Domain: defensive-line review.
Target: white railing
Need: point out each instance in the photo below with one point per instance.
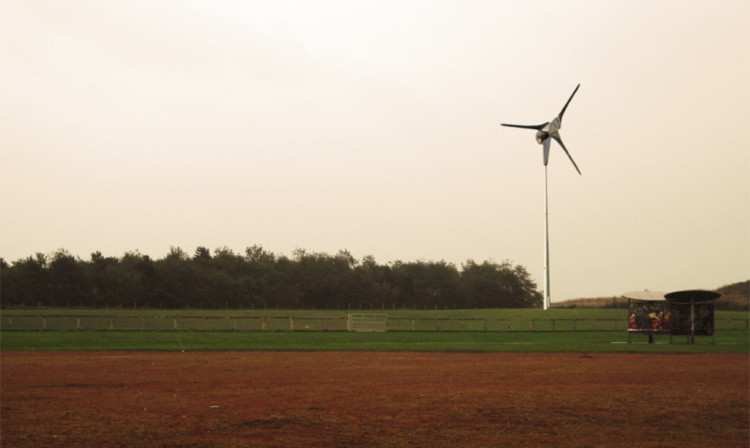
(62, 322)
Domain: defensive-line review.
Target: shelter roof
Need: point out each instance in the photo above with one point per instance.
(694, 295)
(652, 296)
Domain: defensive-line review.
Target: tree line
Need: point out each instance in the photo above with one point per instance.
(260, 279)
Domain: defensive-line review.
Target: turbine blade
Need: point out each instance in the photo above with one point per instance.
(559, 117)
(545, 146)
(537, 127)
(559, 140)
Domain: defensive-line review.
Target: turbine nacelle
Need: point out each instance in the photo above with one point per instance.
(549, 129)
(541, 136)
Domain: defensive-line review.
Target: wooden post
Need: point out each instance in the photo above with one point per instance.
(234, 324)
(291, 323)
(692, 321)
(78, 323)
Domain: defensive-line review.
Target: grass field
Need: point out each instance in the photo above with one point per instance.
(725, 342)
(495, 313)
(735, 341)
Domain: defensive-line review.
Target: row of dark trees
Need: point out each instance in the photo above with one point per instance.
(260, 279)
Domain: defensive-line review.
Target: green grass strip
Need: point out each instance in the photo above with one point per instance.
(725, 341)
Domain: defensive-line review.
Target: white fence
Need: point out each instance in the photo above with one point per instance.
(169, 323)
(62, 322)
(367, 323)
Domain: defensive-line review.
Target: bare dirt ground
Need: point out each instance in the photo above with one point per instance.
(340, 399)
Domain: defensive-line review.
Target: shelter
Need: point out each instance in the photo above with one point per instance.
(649, 313)
(692, 312)
(689, 312)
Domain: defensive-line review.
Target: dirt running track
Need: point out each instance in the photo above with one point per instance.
(353, 399)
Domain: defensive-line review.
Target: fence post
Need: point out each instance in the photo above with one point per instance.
(143, 323)
(78, 323)
(531, 325)
(111, 324)
(234, 324)
(553, 324)
(174, 323)
(291, 323)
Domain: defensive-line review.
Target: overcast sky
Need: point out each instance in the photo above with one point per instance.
(374, 126)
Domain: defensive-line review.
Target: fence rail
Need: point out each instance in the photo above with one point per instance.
(47, 322)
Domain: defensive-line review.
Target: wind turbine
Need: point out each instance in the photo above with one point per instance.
(545, 132)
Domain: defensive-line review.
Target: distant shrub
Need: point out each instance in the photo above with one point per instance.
(733, 302)
(599, 302)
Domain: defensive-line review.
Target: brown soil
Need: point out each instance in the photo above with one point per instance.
(332, 399)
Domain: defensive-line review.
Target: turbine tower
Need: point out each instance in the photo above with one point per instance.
(545, 132)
